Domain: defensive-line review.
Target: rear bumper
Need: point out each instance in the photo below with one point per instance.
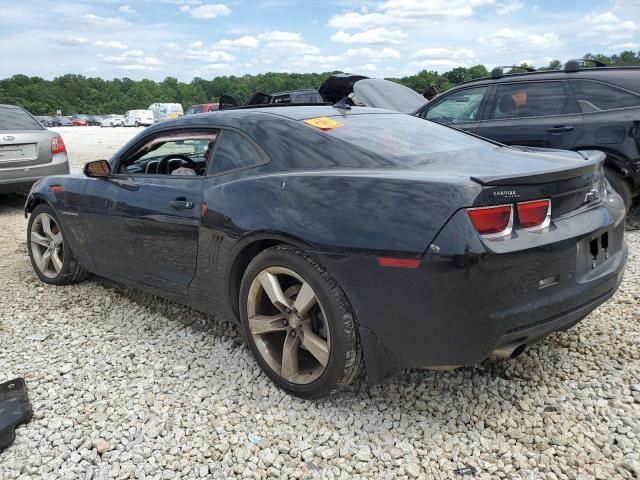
(466, 301)
(21, 178)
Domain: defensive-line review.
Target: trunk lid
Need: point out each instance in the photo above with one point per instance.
(24, 148)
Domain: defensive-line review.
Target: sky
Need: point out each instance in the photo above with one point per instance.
(379, 38)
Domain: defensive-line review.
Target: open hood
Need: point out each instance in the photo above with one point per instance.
(371, 92)
(378, 93)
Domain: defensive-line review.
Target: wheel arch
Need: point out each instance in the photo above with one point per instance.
(248, 249)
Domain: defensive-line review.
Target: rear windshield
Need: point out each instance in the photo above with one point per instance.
(17, 119)
(404, 139)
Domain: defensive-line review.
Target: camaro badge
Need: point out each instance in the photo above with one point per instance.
(323, 123)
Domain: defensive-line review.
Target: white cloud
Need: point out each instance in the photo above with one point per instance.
(460, 54)
(287, 42)
(608, 23)
(82, 41)
(133, 53)
(211, 56)
(380, 36)
(509, 6)
(131, 60)
(405, 12)
(135, 67)
(243, 42)
(126, 9)
(211, 10)
(625, 46)
(110, 44)
(507, 39)
(320, 59)
(371, 54)
(105, 22)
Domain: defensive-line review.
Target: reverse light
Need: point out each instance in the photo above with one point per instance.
(57, 145)
(492, 221)
(535, 214)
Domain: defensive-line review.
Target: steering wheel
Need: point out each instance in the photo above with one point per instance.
(162, 164)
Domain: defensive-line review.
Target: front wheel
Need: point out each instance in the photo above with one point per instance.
(50, 254)
(298, 323)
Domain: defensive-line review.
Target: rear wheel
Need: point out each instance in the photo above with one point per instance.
(298, 323)
(50, 255)
(137, 124)
(620, 185)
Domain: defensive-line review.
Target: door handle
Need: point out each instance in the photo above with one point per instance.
(560, 129)
(181, 203)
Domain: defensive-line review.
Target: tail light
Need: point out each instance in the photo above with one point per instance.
(536, 214)
(57, 145)
(492, 221)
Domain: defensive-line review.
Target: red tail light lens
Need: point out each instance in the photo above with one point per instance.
(536, 214)
(492, 221)
(398, 262)
(57, 145)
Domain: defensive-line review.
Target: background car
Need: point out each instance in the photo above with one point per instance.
(28, 151)
(112, 121)
(571, 109)
(339, 239)
(165, 111)
(136, 118)
(60, 121)
(94, 120)
(45, 120)
(201, 108)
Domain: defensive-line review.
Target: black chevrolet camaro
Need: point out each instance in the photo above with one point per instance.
(342, 239)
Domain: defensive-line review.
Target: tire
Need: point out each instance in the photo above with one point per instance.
(620, 185)
(137, 124)
(66, 269)
(325, 325)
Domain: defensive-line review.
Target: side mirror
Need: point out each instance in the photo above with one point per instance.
(97, 169)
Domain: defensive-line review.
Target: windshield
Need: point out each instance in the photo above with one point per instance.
(17, 119)
(403, 139)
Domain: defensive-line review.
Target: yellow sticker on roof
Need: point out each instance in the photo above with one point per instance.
(323, 123)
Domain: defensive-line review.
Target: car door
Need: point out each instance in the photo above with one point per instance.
(155, 217)
(535, 113)
(461, 108)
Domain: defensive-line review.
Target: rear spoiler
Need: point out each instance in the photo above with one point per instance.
(593, 160)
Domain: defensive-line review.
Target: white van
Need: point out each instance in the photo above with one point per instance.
(166, 111)
(135, 118)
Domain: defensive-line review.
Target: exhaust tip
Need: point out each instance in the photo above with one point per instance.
(507, 352)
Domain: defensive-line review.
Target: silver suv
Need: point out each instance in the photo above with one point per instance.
(28, 151)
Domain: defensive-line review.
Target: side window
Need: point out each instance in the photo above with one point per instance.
(595, 97)
(533, 99)
(177, 154)
(461, 106)
(234, 151)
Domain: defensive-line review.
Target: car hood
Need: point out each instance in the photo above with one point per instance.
(378, 93)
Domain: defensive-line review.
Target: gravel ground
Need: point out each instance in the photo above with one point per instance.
(131, 386)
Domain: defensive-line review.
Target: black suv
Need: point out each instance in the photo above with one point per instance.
(578, 108)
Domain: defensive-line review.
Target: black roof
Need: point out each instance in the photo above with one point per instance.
(620, 73)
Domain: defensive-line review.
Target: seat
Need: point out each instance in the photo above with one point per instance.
(507, 106)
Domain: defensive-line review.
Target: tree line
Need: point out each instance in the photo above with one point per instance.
(73, 93)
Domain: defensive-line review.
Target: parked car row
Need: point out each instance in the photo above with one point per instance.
(132, 118)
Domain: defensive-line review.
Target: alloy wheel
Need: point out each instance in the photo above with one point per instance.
(288, 325)
(47, 245)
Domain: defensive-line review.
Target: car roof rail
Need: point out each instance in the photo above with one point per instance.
(576, 64)
(498, 72)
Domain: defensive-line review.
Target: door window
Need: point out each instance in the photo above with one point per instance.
(595, 97)
(461, 106)
(532, 99)
(175, 154)
(234, 151)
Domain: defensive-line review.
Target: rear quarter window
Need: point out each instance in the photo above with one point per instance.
(234, 151)
(595, 97)
(17, 119)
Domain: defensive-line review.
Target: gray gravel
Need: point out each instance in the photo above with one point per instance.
(131, 386)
